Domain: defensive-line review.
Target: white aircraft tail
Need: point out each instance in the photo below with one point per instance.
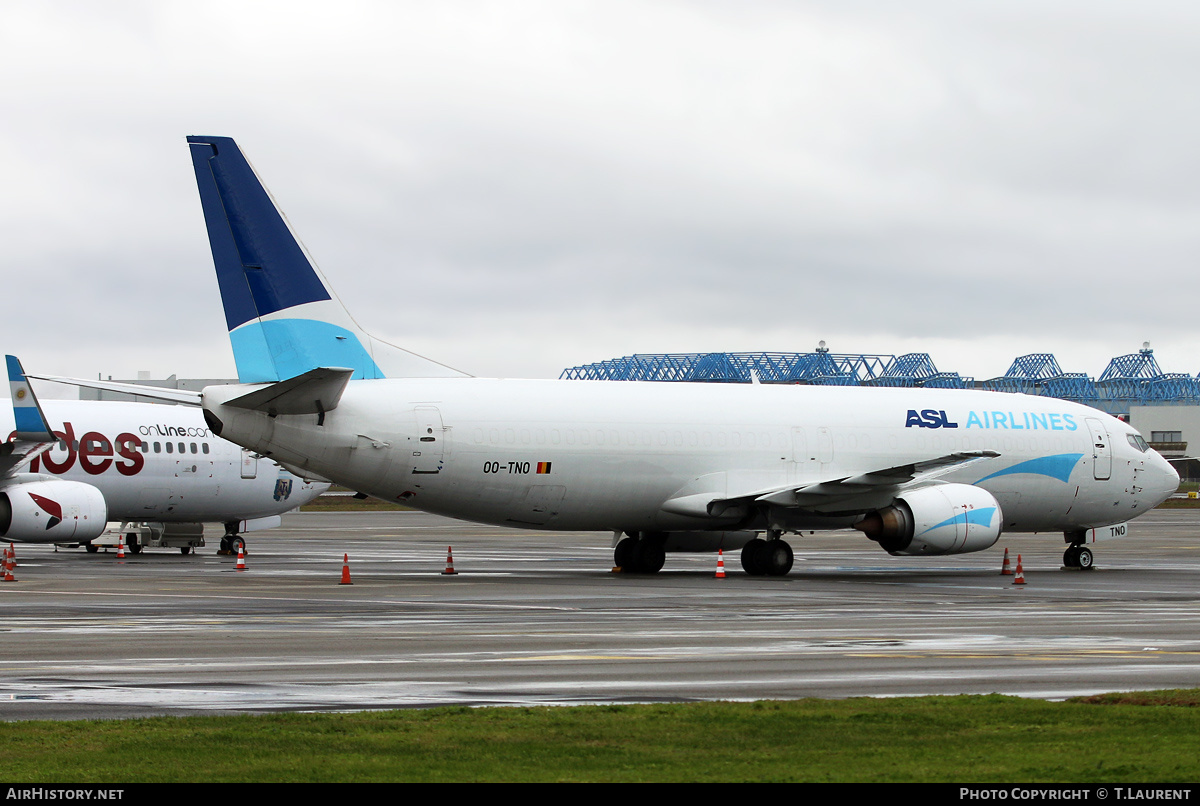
(283, 317)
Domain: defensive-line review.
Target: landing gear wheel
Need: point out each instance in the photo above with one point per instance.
(1078, 557)
(779, 558)
(623, 553)
(185, 550)
(648, 557)
(134, 546)
(236, 543)
(752, 557)
(1085, 559)
(767, 557)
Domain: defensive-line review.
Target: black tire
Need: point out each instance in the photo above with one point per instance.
(650, 557)
(1085, 559)
(1071, 557)
(778, 558)
(236, 542)
(185, 550)
(90, 548)
(752, 557)
(623, 553)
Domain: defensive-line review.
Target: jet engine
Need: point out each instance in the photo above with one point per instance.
(941, 519)
(52, 511)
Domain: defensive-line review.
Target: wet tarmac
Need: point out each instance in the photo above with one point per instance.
(539, 618)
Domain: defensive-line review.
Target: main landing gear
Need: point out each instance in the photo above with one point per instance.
(641, 553)
(771, 557)
(645, 553)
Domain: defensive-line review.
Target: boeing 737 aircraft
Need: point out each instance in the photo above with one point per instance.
(664, 466)
(66, 472)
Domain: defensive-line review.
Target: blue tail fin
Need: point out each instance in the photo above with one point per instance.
(283, 318)
(27, 412)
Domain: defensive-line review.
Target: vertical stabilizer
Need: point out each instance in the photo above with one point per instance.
(283, 318)
(28, 418)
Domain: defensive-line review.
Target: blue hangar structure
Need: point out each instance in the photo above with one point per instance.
(1128, 381)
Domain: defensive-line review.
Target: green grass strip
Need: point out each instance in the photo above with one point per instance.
(1147, 737)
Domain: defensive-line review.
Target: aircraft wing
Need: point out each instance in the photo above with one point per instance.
(32, 435)
(842, 495)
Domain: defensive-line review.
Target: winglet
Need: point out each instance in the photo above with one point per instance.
(27, 413)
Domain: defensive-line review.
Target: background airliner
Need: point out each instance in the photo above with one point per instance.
(663, 466)
(69, 466)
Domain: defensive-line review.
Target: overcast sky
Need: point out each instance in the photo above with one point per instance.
(512, 188)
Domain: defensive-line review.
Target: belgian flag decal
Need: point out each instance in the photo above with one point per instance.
(543, 467)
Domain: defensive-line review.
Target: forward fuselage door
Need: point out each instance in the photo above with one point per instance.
(1101, 451)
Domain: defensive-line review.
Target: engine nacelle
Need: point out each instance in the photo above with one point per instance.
(941, 519)
(52, 511)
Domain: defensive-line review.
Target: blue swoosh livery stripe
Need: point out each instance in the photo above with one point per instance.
(1056, 467)
(972, 517)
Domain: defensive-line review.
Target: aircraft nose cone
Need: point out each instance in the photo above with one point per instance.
(1166, 479)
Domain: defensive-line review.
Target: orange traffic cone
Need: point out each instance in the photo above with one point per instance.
(12, 555)
(1006, 569)
(720, 564)
(1019, 579)
(8, 574)
(449, 562)
(241, 562)
(345, 570)
(121, 548)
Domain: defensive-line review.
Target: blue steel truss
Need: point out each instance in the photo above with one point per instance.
(1133, 379)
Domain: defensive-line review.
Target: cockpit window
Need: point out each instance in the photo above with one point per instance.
(1136, 441)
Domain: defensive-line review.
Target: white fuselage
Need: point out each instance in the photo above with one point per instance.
(162, 463)
(608, 455)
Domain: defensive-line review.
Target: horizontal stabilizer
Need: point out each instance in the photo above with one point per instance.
(315, 392)
(187, 397)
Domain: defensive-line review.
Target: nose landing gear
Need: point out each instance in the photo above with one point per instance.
(1077, 555)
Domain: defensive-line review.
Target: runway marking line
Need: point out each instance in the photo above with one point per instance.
(394, 602)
